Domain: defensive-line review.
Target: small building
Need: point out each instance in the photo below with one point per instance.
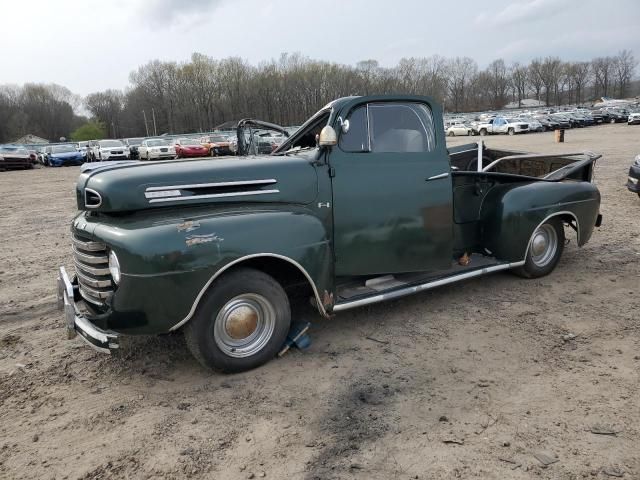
(30, 139)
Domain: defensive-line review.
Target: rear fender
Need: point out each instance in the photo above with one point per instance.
(511, 213)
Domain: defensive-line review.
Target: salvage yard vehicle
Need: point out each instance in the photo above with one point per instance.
(459, 129)
(217, 144)
(633, 182)
(156, 149)
(111, 150)
(496, 125)
(190, 148)
(15, 157)
(633, 119)
(362, 204)
(133, 144)
(64, 155)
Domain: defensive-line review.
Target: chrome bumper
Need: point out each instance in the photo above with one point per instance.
(100, 340)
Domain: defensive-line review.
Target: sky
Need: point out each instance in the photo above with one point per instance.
(92, 45)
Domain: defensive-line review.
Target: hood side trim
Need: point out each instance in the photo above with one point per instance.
(213, 185)
(213, 195)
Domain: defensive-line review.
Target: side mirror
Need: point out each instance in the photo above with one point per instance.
(328, 137)
(344, 124)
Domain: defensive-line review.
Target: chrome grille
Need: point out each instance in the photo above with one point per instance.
(92, 268)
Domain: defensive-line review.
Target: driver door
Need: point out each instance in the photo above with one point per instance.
(392, 193)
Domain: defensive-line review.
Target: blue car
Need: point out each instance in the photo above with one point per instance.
(63, 155)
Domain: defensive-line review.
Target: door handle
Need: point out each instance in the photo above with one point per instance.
(436, 177)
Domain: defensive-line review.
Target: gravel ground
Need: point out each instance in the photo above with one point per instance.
(493, 378)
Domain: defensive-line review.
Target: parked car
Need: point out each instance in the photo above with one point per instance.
(111, 150)
(14, 157)
(534, 125)
(338, 210)
(156, 149)
(617, 115)
(64, 155)
(509, 126)
(633, 182)
(633, 119)
(459, 129)
(189, 148)
(133, 144)
(217, 144)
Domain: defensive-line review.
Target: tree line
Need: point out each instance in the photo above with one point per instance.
(202, 93)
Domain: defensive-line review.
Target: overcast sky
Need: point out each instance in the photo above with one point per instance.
(92, 45)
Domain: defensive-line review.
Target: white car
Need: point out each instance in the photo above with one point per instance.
(156, 149)
(459, 129)
(634, 119)
(111, 150)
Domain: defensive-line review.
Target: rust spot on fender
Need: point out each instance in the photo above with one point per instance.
(327, 299)
(192, 240)
(188, 226)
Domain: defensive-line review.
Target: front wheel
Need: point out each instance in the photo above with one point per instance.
(544, 250)
(241, 323)
(511, 131)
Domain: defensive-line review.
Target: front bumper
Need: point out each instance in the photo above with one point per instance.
(633, 182)
(76, 322)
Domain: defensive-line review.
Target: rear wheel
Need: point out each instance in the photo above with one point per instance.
(241, 323)
(483, 132)
(451, 134)
(544, 250)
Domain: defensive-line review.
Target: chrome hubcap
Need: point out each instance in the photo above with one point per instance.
(244, 325)
(544, 245)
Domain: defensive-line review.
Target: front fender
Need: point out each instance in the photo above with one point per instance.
(167, 264)
(510, 214)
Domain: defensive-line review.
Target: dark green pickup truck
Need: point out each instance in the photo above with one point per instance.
(362, 204)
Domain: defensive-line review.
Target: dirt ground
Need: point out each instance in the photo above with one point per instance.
(488, 379)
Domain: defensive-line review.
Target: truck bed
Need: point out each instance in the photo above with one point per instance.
(528, 166)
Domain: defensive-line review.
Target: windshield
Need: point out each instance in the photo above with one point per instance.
(62, 149)
(157, 143)
(19, 150)
(218, 138)
(110, 143)
(134, 141)
(189, 142)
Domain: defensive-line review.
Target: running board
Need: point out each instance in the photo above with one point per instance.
(339, 307)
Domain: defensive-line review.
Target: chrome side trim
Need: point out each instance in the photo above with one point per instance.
(564, 212)
(436, 177)
(240, 260)
(424, 286)
(95, 193)
(266, 181)
(213, 195)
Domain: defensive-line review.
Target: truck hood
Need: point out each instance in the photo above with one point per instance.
(256, 179)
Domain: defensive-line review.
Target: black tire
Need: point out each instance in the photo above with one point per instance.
(511, 131)
(540, 266)
(483, 132)
(450, 134)
(206, 341)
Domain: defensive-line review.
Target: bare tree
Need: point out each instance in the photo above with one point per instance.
(460, 72)
(624, 65)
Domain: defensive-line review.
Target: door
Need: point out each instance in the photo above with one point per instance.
(392, 194)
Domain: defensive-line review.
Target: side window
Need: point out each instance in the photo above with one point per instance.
(356, 139)
(401, 128)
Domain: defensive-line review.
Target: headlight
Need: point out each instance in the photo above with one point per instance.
(114, 267)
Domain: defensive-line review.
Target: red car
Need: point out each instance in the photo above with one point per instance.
(189, 148)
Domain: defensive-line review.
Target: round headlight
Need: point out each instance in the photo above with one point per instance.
(114, 267)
